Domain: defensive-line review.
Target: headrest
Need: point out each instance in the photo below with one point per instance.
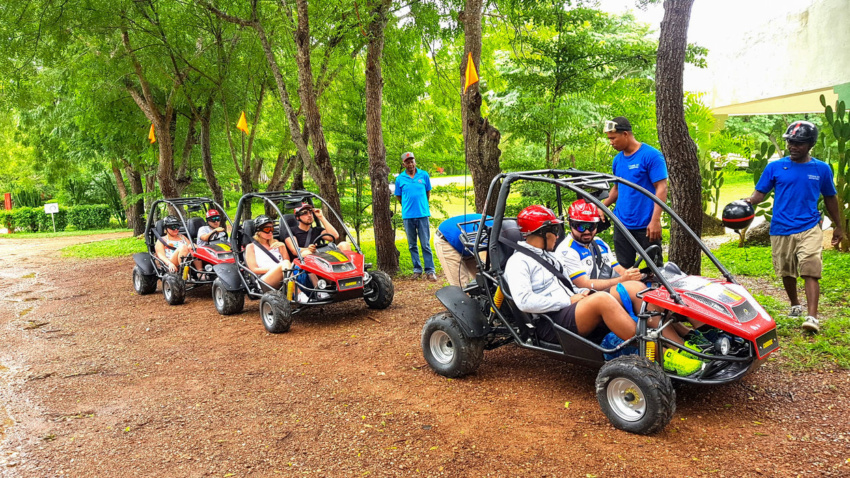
(247, 231)
(194, 223)
(159, 228)
(289, 220)
(510, 230)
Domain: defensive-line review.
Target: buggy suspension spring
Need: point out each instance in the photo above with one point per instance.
(498, 297)
(650, 351)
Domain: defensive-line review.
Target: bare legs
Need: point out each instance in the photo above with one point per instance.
(812, 288)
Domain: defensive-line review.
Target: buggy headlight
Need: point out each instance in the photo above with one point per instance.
(321, 284)
(722, 345)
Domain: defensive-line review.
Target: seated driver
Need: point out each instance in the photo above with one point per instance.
(173, 247)
(306, 234)
(535, 289)
(213, 230)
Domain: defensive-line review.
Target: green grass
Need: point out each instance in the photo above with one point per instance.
(108, 248)
(48, 235)
(831, 347)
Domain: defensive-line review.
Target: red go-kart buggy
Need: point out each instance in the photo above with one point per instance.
(191, 214)
(341, 275)
(633, 390)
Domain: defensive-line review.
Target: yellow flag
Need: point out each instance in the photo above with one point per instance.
(471, 74)
(151, 136)
(242, 125)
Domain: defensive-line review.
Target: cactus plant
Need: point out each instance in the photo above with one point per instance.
(839, 128)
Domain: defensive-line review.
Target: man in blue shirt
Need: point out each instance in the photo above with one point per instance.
(796, 239)
(458, 262)
(645, 166)
(413, 191)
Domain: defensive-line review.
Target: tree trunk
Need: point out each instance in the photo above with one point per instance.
(122, 191)
(678, 147)
(183, 178)
(298, 176)
(312, 117)
(481, 139)
(379, 171)
(206, 154)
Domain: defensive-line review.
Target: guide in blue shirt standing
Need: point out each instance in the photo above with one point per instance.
(413, 191)
(796, 238)
(645, 166)
(458, 262)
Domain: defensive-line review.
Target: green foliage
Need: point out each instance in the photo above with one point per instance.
(89, 216)
(27, 198)
(833, 149)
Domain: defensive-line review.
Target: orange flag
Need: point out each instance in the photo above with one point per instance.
(242, 125)
(151, 136)
(471, 74)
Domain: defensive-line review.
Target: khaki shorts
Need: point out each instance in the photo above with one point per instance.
(799, 254)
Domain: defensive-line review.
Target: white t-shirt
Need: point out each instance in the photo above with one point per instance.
(263, 259)
(534, 288)
(577, 258)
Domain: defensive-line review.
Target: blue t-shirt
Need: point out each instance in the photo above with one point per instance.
(451, 232)
(413, 192)
(797, 187)
(644, 168)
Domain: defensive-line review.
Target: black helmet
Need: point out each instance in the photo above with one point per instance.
(801, 132)
(738, 215)
(260, 220)
(170, 221)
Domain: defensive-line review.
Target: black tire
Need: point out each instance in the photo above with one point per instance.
(635, 394)
(143, 284)
(227, 302)
(173, 289)
(447, 350)
(379, 292)
(275, 312)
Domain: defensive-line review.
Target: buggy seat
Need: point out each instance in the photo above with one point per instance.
(194, 224)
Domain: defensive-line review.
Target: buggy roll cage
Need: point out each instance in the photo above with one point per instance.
(288, 198)
(590, 186)
(177, 205)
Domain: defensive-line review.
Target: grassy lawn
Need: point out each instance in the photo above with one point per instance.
(832, 345)
(108, 248)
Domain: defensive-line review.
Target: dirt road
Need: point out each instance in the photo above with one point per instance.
(97, 381)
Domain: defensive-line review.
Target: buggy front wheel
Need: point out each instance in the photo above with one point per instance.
(143, 284)
(275, 312)
(635, 394)
(227, 302)
(378, 292)
(173, 289)
(447, 350)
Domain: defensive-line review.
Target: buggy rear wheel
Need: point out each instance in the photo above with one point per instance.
(275, 312)
(635, 394)
(173, 289)
(447, 350)
(143, 284)
(227, 302)
(378, 292)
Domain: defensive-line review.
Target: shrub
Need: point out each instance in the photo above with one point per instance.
(45, 223)
(25, 219)
(89, 217)
(6, 219)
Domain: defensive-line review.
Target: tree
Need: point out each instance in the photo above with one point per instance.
(481, 139)
(678, 147)
(379, 171)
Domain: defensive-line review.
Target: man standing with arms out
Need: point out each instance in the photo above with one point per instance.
(645, 166)
(796, 238)
(413, 191)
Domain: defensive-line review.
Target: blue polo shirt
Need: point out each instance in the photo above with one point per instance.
(451, 231)
(797, 188)
(644, 168)
(413, 192)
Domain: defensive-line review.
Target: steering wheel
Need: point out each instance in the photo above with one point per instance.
(322, 240)
(217, 235)
(646, 271)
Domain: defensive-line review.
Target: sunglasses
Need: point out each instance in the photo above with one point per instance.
(583, 226)
(267, 229)
(172, 228)
(214, 219)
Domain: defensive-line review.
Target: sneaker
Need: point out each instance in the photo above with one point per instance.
(302, 297)
(431, 276)
(695, 337)
(796, 311)
(811, 324)
(677, 362)
(322, 295)
(692, 346)
(417, 275)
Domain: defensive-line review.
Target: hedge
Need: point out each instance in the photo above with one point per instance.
(34, 219)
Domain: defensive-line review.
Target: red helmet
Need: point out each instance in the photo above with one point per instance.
(212, 213)
(534, 217)
(584, 211)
